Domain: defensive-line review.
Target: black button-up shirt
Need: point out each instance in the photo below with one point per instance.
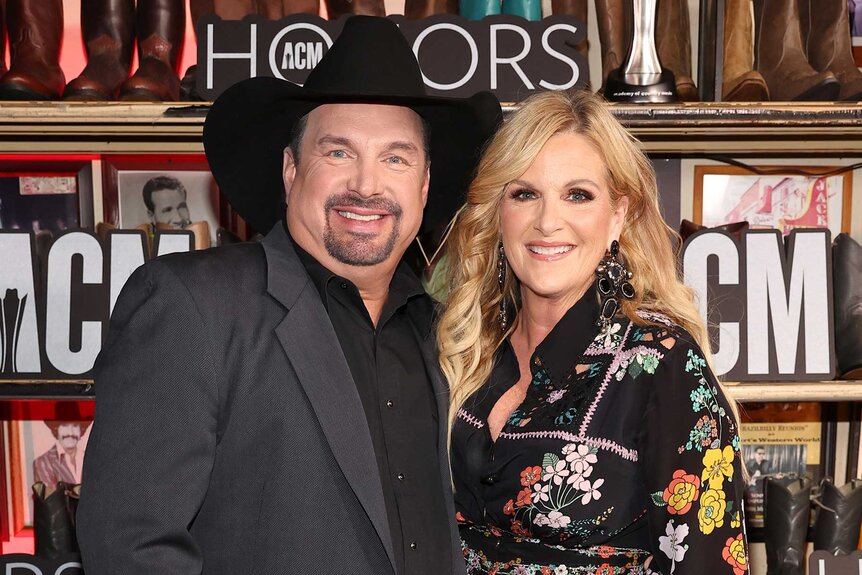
(387, 368)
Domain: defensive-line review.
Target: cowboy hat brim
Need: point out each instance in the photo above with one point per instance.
(252, 122)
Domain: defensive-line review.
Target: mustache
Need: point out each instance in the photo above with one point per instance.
(70, 436)
(353, 200)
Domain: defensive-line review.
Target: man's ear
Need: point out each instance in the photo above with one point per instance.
(426, 184)
(288, 172)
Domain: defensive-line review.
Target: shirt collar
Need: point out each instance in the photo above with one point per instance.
(404, 288)
(563, 346)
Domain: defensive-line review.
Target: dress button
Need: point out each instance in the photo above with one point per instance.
(488, 480)
(413, 545)
(400, 477)
(343, 285)
(390, 404)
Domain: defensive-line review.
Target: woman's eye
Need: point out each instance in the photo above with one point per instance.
(580, 196)
(522, 194)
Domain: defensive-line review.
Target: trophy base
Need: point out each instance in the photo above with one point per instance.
(618, 90)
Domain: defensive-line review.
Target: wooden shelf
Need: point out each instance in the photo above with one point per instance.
(702, 128)
(47, 389)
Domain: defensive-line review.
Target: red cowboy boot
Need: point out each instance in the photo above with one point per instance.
(673, 45)
(160, 30)
(337, 8)
(740, 81)
(826, 31)
(35, 36)
(780, 55)
(108, 27)
(415, 9)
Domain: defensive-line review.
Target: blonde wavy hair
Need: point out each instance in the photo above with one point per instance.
(469, 329)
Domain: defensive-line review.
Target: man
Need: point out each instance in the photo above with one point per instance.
(63, 461)
(295, 420)
(165, 198)
(758, 466)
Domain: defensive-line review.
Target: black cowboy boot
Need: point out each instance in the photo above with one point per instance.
(160, 31)
(836, 528)
(53, 530)
(108, 27)
(826, 31)
(786, 511)
(847, 300)
(780, 55)
(35, 36)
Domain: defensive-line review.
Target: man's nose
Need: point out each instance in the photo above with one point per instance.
(365, 178)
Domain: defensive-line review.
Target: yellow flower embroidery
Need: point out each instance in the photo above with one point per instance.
(712, 508)
(734, 520)
(717, 464)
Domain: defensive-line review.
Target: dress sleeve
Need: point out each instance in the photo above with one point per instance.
(692, 469)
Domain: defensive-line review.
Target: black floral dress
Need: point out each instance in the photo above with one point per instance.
(622, 458)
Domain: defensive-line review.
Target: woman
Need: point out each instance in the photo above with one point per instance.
(588, 433)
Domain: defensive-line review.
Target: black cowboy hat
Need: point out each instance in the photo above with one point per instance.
(251, 123)
(68, 412)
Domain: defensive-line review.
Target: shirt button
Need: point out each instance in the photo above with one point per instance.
(390, 404)
(413, 545)
(400, 477)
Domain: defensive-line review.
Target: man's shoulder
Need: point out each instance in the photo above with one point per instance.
(221, 266)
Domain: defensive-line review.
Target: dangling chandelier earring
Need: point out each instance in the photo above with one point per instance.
(502, 315)
(613, 278)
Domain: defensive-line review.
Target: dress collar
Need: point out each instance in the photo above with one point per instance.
(563, 346)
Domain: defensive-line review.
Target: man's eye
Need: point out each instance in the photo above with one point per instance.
(338, 154)
(396, 160)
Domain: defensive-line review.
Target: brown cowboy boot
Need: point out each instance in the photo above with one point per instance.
(577, 8)
(740, 83)
(780, 56)
(415, 9)
(35, 36)
(615, 34)
(277, 9)
(160, 30)
(337, 8)
(826, 31)
(673, 45)
(108, 27)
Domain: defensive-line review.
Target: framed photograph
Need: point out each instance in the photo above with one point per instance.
(45, 441)
(781, 440)
(165, 192)
(783, 200)
(855, 18)
(45, 194)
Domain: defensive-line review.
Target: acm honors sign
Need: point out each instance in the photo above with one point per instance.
(508, 55)
(771, 304)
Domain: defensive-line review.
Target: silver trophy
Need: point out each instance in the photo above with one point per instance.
(641, 78)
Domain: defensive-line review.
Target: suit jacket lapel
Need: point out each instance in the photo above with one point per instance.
(312, 347)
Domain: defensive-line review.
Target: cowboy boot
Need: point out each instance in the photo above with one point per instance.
(847, 300)
(35, 36)
(415, 9)
(160, 30)
(615, 34)
(673, 45)
(780, 56)
(53, 531)
(526, 9)
(827, 42)
(108, 27)
(786, 506)
(478, 9)
(338, 8)
(577, 8)
(278, 9)
(836, 528)
(740, 81)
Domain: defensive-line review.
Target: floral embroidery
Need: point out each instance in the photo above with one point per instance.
(734, 554)
(672, 544)
(682, 491)
(718, 464)
(734, 520)
(530, 475)
(711, 513)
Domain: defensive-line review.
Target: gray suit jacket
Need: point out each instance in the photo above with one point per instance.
(229, 436)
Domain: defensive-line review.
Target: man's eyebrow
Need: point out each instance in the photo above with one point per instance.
(334, 140)
(403, 145)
